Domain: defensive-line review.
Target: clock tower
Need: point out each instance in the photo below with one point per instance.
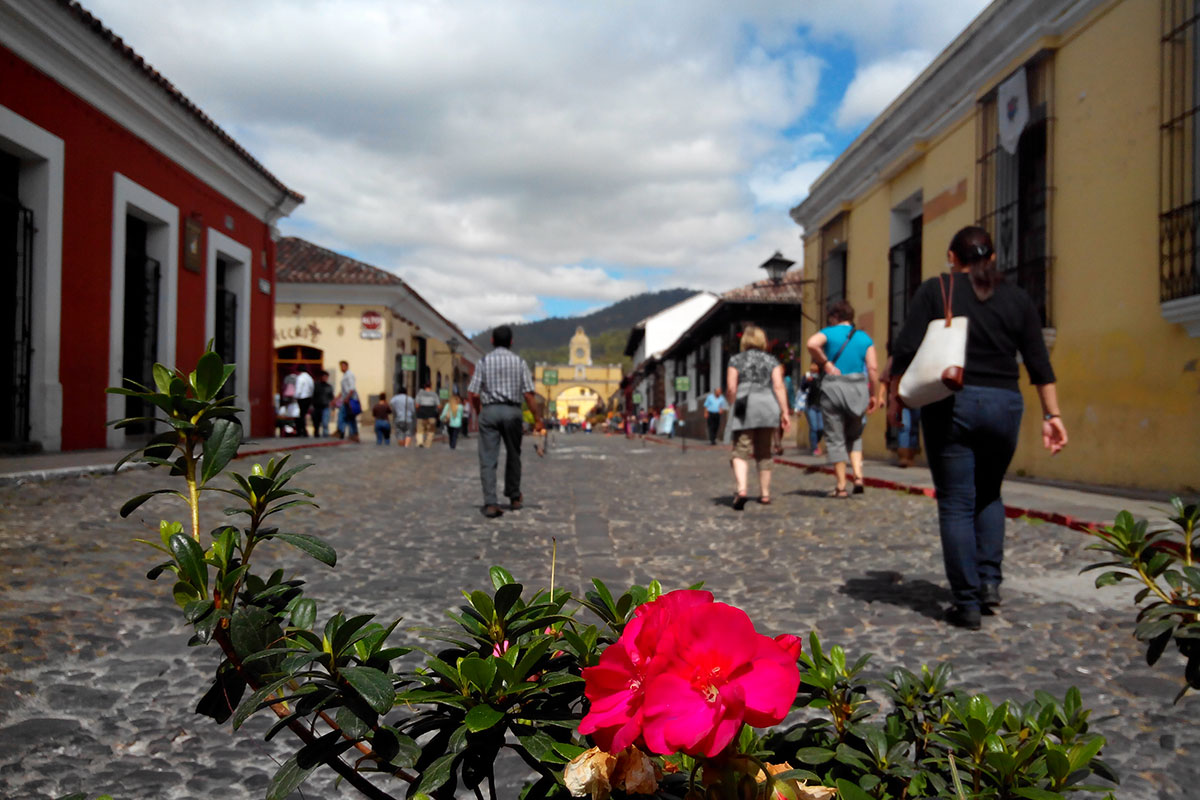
(580, 354)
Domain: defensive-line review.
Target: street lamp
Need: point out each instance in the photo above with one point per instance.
(776, 266)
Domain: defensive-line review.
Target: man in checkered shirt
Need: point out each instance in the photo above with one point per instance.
(500, 382)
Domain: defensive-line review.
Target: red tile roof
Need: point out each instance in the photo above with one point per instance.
(789, 290)
(298, 261)
(154, 76)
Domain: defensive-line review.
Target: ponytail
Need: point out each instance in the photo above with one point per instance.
(972, 246)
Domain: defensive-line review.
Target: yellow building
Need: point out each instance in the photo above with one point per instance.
(577, 387)
(1091, 202)
(331, 308)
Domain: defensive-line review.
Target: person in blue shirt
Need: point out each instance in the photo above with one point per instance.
(714, 406)
(848, 391)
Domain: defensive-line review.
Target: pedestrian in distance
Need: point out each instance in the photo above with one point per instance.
(426, 404)
(402, 416)
(846, 355)
(304, 399)
(810, 393)
(452, 415)
(383, 429)
(323, 396)
(971, 436)
(714, 407)
(501, 381)
(349, 406)
(755, 386)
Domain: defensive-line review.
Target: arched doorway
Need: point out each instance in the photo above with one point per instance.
(308, 359)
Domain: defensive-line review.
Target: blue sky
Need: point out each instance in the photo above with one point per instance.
(515, 159)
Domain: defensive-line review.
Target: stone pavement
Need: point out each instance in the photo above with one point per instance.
(97, 684)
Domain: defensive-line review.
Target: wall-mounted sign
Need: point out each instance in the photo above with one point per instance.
(371, 325)
(637, 398)
(553, 407)
(683, 383)
(444, 394)
(408, 363)
(302, 332)
(549, 377)
(193, 259)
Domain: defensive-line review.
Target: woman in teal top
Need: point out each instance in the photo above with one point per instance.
(452, 415)
(846, 356)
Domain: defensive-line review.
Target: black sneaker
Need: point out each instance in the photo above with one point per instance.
(964, 617)
(989, 597)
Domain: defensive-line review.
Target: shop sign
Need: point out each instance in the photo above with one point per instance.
(408, 363)
(637, 398)
(549, 377)
(683, 383)
(444, 394)
(309, 332)
(372, 325)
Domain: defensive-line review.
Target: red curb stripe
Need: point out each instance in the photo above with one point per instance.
(1011, 512)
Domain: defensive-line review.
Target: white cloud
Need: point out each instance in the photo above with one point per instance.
(486, 149)
(877, 84)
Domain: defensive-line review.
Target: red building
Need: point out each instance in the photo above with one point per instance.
(133, 230)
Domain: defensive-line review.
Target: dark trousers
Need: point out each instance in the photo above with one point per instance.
(452, 434)
(714, 424)
(500, 423)
(970, 439)
(305, 407)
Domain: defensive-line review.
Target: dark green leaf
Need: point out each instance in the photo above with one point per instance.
(253, 629)
(482, 717)
(220, 447)
(500, 576)
(224, 695)
(437, 773)
(850, 791)
(506, 596)
(134, 502)
(478, 671)
(372, 685)
(304, 613)
(209, 375)
(317, 548)
(190, 558)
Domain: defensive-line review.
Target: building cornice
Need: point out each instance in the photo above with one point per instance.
(940, 96)
(49, 37)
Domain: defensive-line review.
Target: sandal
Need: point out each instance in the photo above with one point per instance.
(765, 500)
(840, 494)
(739, 502)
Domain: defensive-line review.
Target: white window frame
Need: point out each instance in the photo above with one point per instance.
(41, 190)
(241, 257)
(162, 243)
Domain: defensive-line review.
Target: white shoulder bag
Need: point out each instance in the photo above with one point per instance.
(936, 371)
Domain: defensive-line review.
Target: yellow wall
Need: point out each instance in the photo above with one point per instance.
(1128, 381)
(601, 381)
(336, 330)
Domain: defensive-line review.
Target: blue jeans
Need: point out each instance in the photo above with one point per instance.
(452, 434)
(347, 422)
(383, 432)
(970, 439)
(816, 426)
(908, 435)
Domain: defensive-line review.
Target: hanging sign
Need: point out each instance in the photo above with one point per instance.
(1012, 110)
(549, 377)
(444, 394)
(408, 363)
(372, 325)
(683, 383)
(637, 398)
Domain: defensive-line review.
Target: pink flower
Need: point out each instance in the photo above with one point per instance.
(685, 674)
(500, 648)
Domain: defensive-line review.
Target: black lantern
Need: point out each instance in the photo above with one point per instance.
(776, 266)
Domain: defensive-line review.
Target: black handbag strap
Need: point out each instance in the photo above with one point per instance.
(842, 349)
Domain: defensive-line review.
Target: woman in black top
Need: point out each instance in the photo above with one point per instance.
(971, 436)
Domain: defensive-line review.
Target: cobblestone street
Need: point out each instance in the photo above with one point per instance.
(97, 685)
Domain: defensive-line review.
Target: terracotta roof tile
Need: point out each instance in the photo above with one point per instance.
(298, 261)
(118, 44)
(789, 290)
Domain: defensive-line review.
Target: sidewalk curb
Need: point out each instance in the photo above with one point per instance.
(1011, 512)
(54, 473)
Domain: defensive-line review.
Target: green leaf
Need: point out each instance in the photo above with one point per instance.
(478, 671)
(482, 717)
(134, 502)
(372, 685)
(437, 773)
(190, 558)
(253, 629)
(315, 547)
(500, 576)
(220, 447)
(850, 791)
(814, 755)
(209, 376)
(506, 596)
(304, 613)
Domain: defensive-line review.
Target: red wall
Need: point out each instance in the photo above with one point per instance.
(96, 147)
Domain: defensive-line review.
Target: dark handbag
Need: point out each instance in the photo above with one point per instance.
(816, 389)
(739, 406)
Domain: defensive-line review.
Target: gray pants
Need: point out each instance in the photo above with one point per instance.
(844, 401)
(500, 423)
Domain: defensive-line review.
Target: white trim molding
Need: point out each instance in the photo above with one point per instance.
(40, 186)
(241, 257)
(1186, 312)
(162, 243)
